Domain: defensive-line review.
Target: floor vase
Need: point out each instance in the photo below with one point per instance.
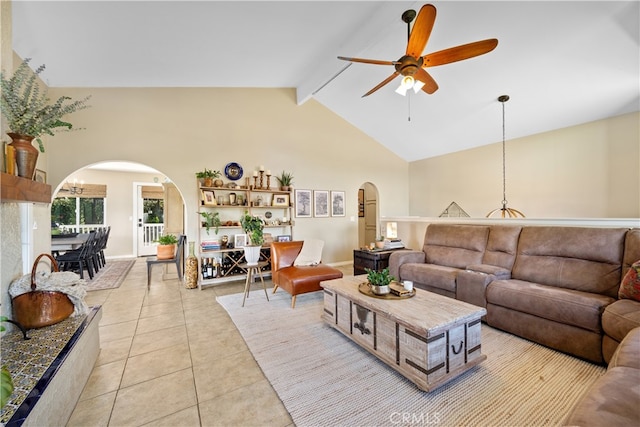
(191, 268)
(26, 154)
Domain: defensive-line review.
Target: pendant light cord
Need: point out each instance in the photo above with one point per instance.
(504, 163)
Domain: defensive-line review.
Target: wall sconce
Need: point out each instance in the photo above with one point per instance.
(75, 189)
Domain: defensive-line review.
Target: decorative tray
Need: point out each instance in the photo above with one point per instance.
(366, 289)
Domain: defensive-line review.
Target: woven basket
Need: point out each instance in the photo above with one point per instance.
(36, 309)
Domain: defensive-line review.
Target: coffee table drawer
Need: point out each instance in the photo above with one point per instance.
(330, 308)
(363, 326)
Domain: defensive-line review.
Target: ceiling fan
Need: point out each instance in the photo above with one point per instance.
(412, 65)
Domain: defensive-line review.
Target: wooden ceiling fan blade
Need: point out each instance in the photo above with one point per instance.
(430, 84)
(421, 30)
(368, 61)
(382, 83)
(459, 53)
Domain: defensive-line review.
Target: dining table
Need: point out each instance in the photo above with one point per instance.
(62, 244)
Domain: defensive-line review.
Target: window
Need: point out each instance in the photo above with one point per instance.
(76, 211)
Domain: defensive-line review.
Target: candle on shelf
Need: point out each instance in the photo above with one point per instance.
(268, 172)
(261, 168)
(255, 173)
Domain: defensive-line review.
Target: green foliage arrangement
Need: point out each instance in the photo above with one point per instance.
(285, 179)
(167, 239)
(211, 219)
(379, 278)
(208, 173)
(253, 226)
(28, 109)
(6, 383)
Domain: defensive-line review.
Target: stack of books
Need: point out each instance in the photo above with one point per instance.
(399, 290)
(393, 244)
(210, 245)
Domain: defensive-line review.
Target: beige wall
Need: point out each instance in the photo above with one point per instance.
(179, 131)
(585, 171)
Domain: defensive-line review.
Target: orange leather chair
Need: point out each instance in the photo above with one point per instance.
(297, 279)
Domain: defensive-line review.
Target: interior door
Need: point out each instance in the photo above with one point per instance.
(149, 217)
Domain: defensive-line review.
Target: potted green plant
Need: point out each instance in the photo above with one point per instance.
(211, 219)
(166, 246)
(30, 114)
(379, 281)
(286, 181)
(253, 226)
(6, 382)
(207, 176)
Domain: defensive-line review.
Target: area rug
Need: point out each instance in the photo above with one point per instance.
(324, 379)
(111, 275)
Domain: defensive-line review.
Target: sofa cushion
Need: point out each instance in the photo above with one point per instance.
(628, 351)
(567, 306)
(455, 245)
(437, 276)
(579, 258)
(502, 245)
(621, 317)
(611, 401)
(630, 285)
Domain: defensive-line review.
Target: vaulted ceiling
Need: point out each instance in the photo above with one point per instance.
(562, 63)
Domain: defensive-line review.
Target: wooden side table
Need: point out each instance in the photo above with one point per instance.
(376, 260)
(251, 271)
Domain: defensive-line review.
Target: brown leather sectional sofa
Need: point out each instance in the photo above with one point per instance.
(557, 286)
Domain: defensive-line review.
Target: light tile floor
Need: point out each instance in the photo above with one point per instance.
(172, 356)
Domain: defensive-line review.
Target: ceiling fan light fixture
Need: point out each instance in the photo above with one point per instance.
(417, 87)
(407, 83)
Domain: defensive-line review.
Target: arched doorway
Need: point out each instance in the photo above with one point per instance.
(368, 214)
(139, 203)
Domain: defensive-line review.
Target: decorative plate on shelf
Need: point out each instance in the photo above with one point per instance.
(233, 171)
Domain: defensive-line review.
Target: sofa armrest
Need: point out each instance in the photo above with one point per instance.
(499, 273)
(398, 258)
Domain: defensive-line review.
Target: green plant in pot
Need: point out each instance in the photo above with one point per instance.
(211, 219)
(207, 176)
(286, 181)
(166, 246)
(253, 226)
(6, 382)
(379, 281)
(31, 115)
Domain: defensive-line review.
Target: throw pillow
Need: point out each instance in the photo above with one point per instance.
(311, 252)
(630, 286)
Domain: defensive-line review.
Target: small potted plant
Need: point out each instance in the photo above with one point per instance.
(31, 115)
(207, 176)
(286, 181)
(253, 226)
(166, 246)
(380, 242)
(211, 219)
(379, 281)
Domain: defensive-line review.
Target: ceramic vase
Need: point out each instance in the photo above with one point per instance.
(191, 268)
(26, 154)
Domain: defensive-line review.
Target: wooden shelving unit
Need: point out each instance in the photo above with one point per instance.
(15, 189)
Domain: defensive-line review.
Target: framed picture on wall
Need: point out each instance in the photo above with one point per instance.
(284, 238)
(337, 203)
(303, 203)
(40, 176)
(280, 200)
(320, 203)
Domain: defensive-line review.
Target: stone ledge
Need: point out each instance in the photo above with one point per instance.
(50, 370)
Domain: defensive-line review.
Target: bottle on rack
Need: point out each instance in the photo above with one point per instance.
(215, 268)
(203, 268)
(210, 270)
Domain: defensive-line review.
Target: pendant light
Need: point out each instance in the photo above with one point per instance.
(505, 212)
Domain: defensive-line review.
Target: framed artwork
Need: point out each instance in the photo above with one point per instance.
(361, 203)
(280, 200)
(284, 238)
(303, 203)
(337, 203)
(40, 176)
(321, 203)
(208, 198)
(239, 240)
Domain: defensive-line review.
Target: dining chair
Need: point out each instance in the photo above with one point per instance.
(178, 260)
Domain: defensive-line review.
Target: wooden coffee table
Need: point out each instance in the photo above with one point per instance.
(428, 338)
